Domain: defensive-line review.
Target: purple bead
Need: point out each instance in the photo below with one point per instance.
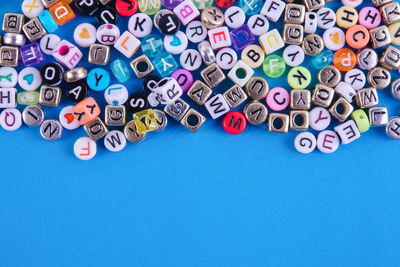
(170, 4)
(31, 54)
(184, 78)
(242, 37)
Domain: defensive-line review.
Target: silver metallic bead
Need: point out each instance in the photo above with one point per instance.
(33, 115)
(367, 59)
(131, 133)
(235, 96)
(193, 120)
(379, 78)
(212, 17)
(367, 97)
(12, 22)
(75, 74)
(51, 130)
(390, 58)
(329, 76)
(294, 13)
(255, 112)
(177, 109)
(34, 30)
(390, 12)
(313, 44)
(393, 128)
(378, 116)
(96, 129)
(9, 56)
(278, 123)
(379, 3)
(341, 109)
(48, 3)
(161, 119)
(99, 54)
(206, 52)
(299, 120)
(199, 92)
(313, 5)
(212, 75)
(300, 99)
(257, 88)
(49, 96)
(293, 34)
(380, 37)
(142, 66)
(14, 39)
(114, 115)
(322, 95)
(395, 89)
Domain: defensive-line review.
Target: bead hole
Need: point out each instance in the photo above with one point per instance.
(277, 123)
(241, 73)
(299, 120)
(242, 36)
(64, 50)
(142, 66)
(340, 109)
(192, 120)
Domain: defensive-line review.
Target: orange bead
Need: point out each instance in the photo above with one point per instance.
(357, 36)
(61, 12)
(344, 59)
(86, 111)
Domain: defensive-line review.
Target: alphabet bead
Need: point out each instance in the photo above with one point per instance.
(355, 78)
(255, 112)
(149, 7)
(199, 93)
(177, 109)
(77, 91)
(257, 88)
(115, 141)
(85, 148)
(126, 8)
(277, 99)
(114, 115)
(271, 41)
(8, 77)
(213, 75)
(98, 79)
(50, 96)
(217, 106)
(106, 15)
(226, 58)
(108, 34)
(235, 96)
(196, 32)
(367, 97)
(96, 129)
(378, 116)
(51, 130)
(393, 128)
(86, 111)
(234, 122)
(273, 9)
(99, 54)
(48, 43)
(116, 94)
(13, 22)
(305, 142)
(234, 17)
(320, 118)
(34, 30)
(293, 55)
(219, 37)
(10, 119)
(327, 141)
(8, 97)
(87, 7)
(152, 46)
(274, 66)
(33, 115)
(31, 54)
(51, 73)
(32, 8)
(341, 109)
(334, 38)
(326, 18)
(140, 25)
(186, 11)
(132, 134)
(190, 59)
(184, 79)
(165, 64)
(67, 54)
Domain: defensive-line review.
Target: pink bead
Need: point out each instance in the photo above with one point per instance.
(369, 17)
(277, 99)
(184, 78)
(67, 54)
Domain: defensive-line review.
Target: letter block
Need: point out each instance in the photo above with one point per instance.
(67, 54)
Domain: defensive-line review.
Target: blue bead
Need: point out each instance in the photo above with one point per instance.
(242, 37)
(98, 79)
(120, 70)
(251, 7)
(323, 59)
(165, 64)
(152, 46)
(31, 54)
(47, 21)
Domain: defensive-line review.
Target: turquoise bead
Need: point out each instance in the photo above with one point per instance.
(165, 64)
(120, 70)
(98, 79)
(251, 7)
(47, 21)
(152, 46)
(323, 59)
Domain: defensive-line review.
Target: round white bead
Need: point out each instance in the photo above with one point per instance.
(85, 34)
(234, 17)
(67, 119)
(196, 31)
(85, 148)
(8, 77)
(326, 18)
(31, 8)
(293, 55)
(226, 58)
(356, 78)
(48, 43)
(175, 43)
(140, 25)
(320, 118)
(115, 141)
(305, 142)
(29, 79)
(108, 34)
(258, 24)
(116, 94)
(11, 119)
(190, 59)
(334, 38)
(327, 141)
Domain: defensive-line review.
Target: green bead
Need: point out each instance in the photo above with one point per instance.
(150, 7)
(274, 66)
(202, 4)
(28, 98)
(299, 77)
(361, 119)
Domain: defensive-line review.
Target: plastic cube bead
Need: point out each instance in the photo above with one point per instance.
(240, 73)
(219, 37)
(152, 46)
(120, 70)
(67, 54)
(271, 41)
(242, 37)
(31, 54)
(165, 64)
(127, 44)
(61, 12)
(186, 12)
(273, 9)
(47, 21)
(86, 111)
(251, 7)
(145, 121)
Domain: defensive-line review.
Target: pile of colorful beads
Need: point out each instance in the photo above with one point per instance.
(358, 44)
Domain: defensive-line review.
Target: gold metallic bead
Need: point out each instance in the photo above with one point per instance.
(367, 97)
(299, 120)
(255, 112)
(253, 56)
(34, 30)
(341, 109)
(380, 37)
(193, 120)
(132, 134)
(313, 5)
(99, 54)
(322, 95)
(313, 44)
(96, 129)
(199, 92)
(379, 3)
(212, 17)
(329, 76)
(49, 96)
(378, 116)
(9, 56)
(379, 78)
(142, 66)
(294, 13)
(278, 123)
(114, 115)
(75, 74)
(12, 22)
(390, 12)
(390, 58)
(257, 88)
(300, 99)
(293, 34)
(212, 75)
(235, 96)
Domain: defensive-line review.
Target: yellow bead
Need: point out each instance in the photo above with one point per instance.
(394, 30)
(299, 78)
(145, 121)
(346, 16)
(253, 56)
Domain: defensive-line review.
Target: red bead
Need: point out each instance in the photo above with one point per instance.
(234, 122)
(126, 8)
(224, 3)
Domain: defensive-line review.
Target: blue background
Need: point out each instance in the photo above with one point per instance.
(205, 199)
